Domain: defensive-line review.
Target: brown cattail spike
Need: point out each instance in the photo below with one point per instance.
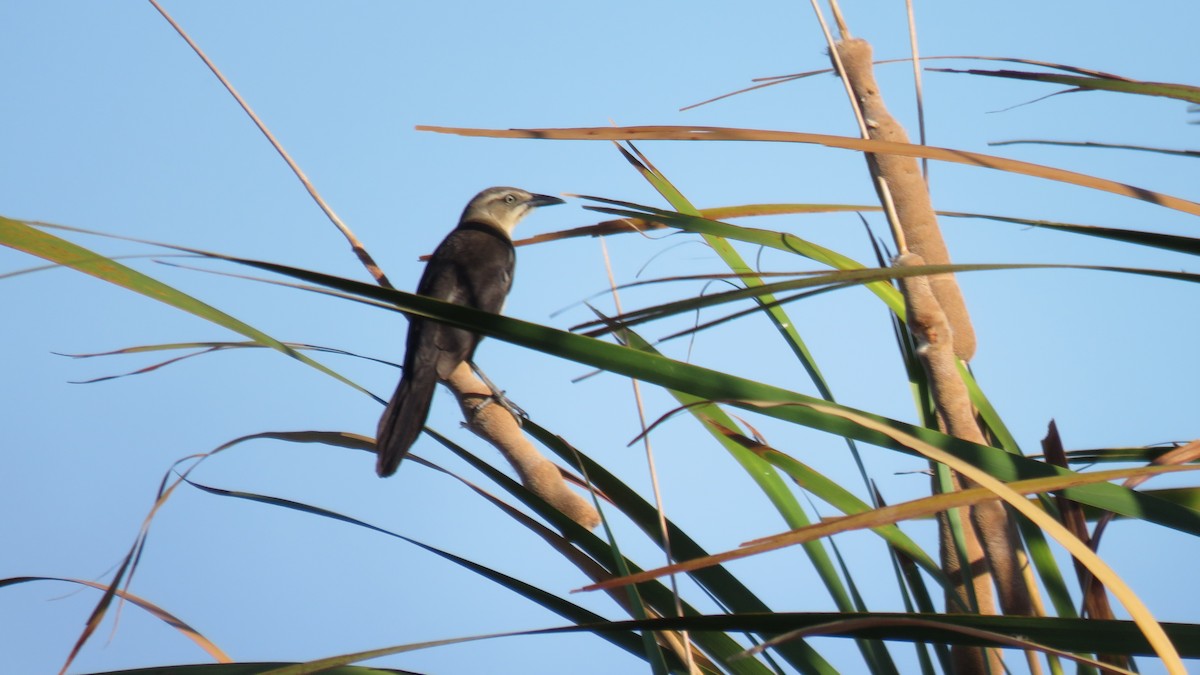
(910, 193)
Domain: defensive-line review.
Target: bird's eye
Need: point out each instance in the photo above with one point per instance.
(510, 199)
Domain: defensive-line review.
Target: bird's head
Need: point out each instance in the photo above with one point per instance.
(504, 207)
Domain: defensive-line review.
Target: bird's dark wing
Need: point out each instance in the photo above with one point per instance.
(473, 266)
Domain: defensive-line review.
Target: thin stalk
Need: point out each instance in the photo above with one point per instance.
(365, 258)
(658, 500)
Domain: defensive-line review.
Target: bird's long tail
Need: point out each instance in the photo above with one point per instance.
(403, 420)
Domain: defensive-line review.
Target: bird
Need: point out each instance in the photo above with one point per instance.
(473, 266)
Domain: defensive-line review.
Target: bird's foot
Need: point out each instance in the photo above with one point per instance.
(498, 396)
(518, 413)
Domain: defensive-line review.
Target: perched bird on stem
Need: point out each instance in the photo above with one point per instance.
(473, 266)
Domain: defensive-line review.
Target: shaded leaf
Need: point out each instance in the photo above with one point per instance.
(1093, 81)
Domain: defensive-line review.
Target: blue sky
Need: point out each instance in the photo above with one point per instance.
(113, 124)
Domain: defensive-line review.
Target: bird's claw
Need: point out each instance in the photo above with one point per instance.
(498, 396)
(518, 413)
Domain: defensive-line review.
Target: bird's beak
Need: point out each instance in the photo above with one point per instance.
(543, 200)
